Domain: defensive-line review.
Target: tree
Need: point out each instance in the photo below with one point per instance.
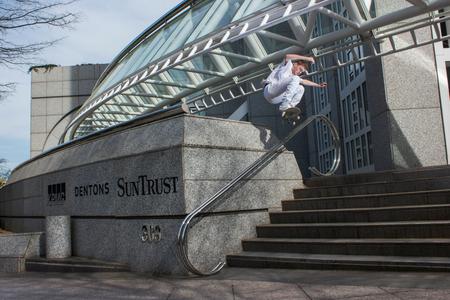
(19, 15)
(4, 172)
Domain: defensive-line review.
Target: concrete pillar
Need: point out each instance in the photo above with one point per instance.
(58, 237)
(404, 103)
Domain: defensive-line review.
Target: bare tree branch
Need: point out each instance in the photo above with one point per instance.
(19, 15)
(5, 90)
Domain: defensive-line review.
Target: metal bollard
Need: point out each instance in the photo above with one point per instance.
(58, 237)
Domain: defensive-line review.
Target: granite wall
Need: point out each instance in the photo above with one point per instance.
(404, 103)
(128, 192)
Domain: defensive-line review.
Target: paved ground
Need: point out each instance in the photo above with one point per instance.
(230, 284)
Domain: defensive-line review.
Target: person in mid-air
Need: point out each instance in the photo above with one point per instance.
(284, 85)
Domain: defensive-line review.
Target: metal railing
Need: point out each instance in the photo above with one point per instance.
(247, 173)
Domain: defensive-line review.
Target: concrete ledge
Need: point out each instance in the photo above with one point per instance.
(12, 264)
(15, 248)
(128, 192)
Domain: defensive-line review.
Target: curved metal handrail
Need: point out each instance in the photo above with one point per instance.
(251, 170)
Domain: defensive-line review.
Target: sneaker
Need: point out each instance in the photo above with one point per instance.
(284, 106)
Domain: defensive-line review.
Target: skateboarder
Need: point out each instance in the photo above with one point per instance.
(284, 85)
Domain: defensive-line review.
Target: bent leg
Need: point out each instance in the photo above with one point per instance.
(294, 92)
(298, 96)
(270, 96)
(273, 92)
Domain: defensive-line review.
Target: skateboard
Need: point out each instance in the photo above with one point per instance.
(292, 115)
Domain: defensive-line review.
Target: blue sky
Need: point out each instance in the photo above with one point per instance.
(104, 29)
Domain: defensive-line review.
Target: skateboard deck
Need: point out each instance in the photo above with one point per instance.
(292, 115)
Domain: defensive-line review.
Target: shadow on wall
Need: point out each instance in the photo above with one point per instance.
(267, 138)
(400, 144)
(298, 145)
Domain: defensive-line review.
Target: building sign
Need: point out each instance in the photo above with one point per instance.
(56, 193)
(92, 190)
(144, 186)
(151, 233)
(126, 187)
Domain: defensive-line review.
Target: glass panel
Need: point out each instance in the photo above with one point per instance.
(159, 44)
(305, 18)
(369, 143)
(111, 78)
(349, 116)
(364, 149)
(204, 62)
(221, 15)
(179, 31)
(238, 47)
(366, 104)
(146, 88)
(326, 25)
(353, 153)
(348, 157)
(344, 117)
(175, 36)
(361, 111)
(282, 29)
(161, 89)
(136, 59)
(272, 45)
(180, 76)
(251, 6)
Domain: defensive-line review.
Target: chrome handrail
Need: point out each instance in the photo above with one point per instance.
(249, 171)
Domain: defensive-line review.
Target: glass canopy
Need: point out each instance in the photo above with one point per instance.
(201, 47)
(193, 23)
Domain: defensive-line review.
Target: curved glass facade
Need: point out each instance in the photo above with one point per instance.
(201, 19)
(180, 30)
(207, 52)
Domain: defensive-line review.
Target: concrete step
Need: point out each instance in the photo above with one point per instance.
(12, 264)
(395, 220)
(383, 187)
(341, 262)
(16, 247)
(377, 214)
(379, 247)
(20, 244)
(72, 264)
(371, 200)
(348, 179)
(393, 175)
(409, 229)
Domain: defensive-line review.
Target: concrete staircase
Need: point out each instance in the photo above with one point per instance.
(72, 265)
(397, 220)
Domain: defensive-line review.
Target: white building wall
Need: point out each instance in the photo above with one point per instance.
(54, 92)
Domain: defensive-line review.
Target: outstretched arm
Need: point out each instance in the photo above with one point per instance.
(313, 84)
(299, 57)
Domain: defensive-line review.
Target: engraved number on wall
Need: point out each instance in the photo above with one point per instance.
(151, 233)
